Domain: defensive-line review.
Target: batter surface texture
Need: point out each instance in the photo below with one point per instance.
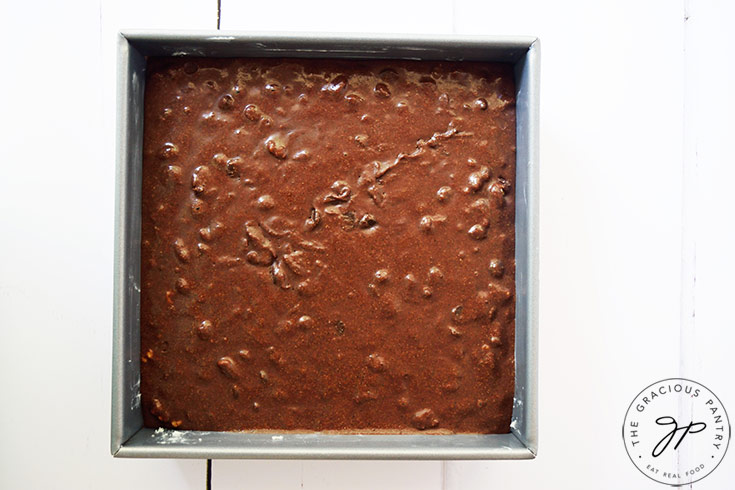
(328, 245)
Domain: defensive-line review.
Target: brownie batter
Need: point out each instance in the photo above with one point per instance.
(328, 245)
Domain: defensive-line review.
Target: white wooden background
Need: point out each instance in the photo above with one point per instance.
(634, 97)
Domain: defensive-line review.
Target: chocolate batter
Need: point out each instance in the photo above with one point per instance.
(328, 245)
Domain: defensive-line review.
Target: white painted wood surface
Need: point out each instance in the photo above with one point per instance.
(631, 93)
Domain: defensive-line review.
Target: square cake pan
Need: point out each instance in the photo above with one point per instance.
(129, 437)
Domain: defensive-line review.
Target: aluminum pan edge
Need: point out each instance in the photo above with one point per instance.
(232, 445)
(528, 120)
(124, 277)
(335, 45)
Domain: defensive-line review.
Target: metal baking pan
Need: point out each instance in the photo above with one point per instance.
(130, 438)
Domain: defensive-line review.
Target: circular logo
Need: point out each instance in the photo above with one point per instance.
(676, 431)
